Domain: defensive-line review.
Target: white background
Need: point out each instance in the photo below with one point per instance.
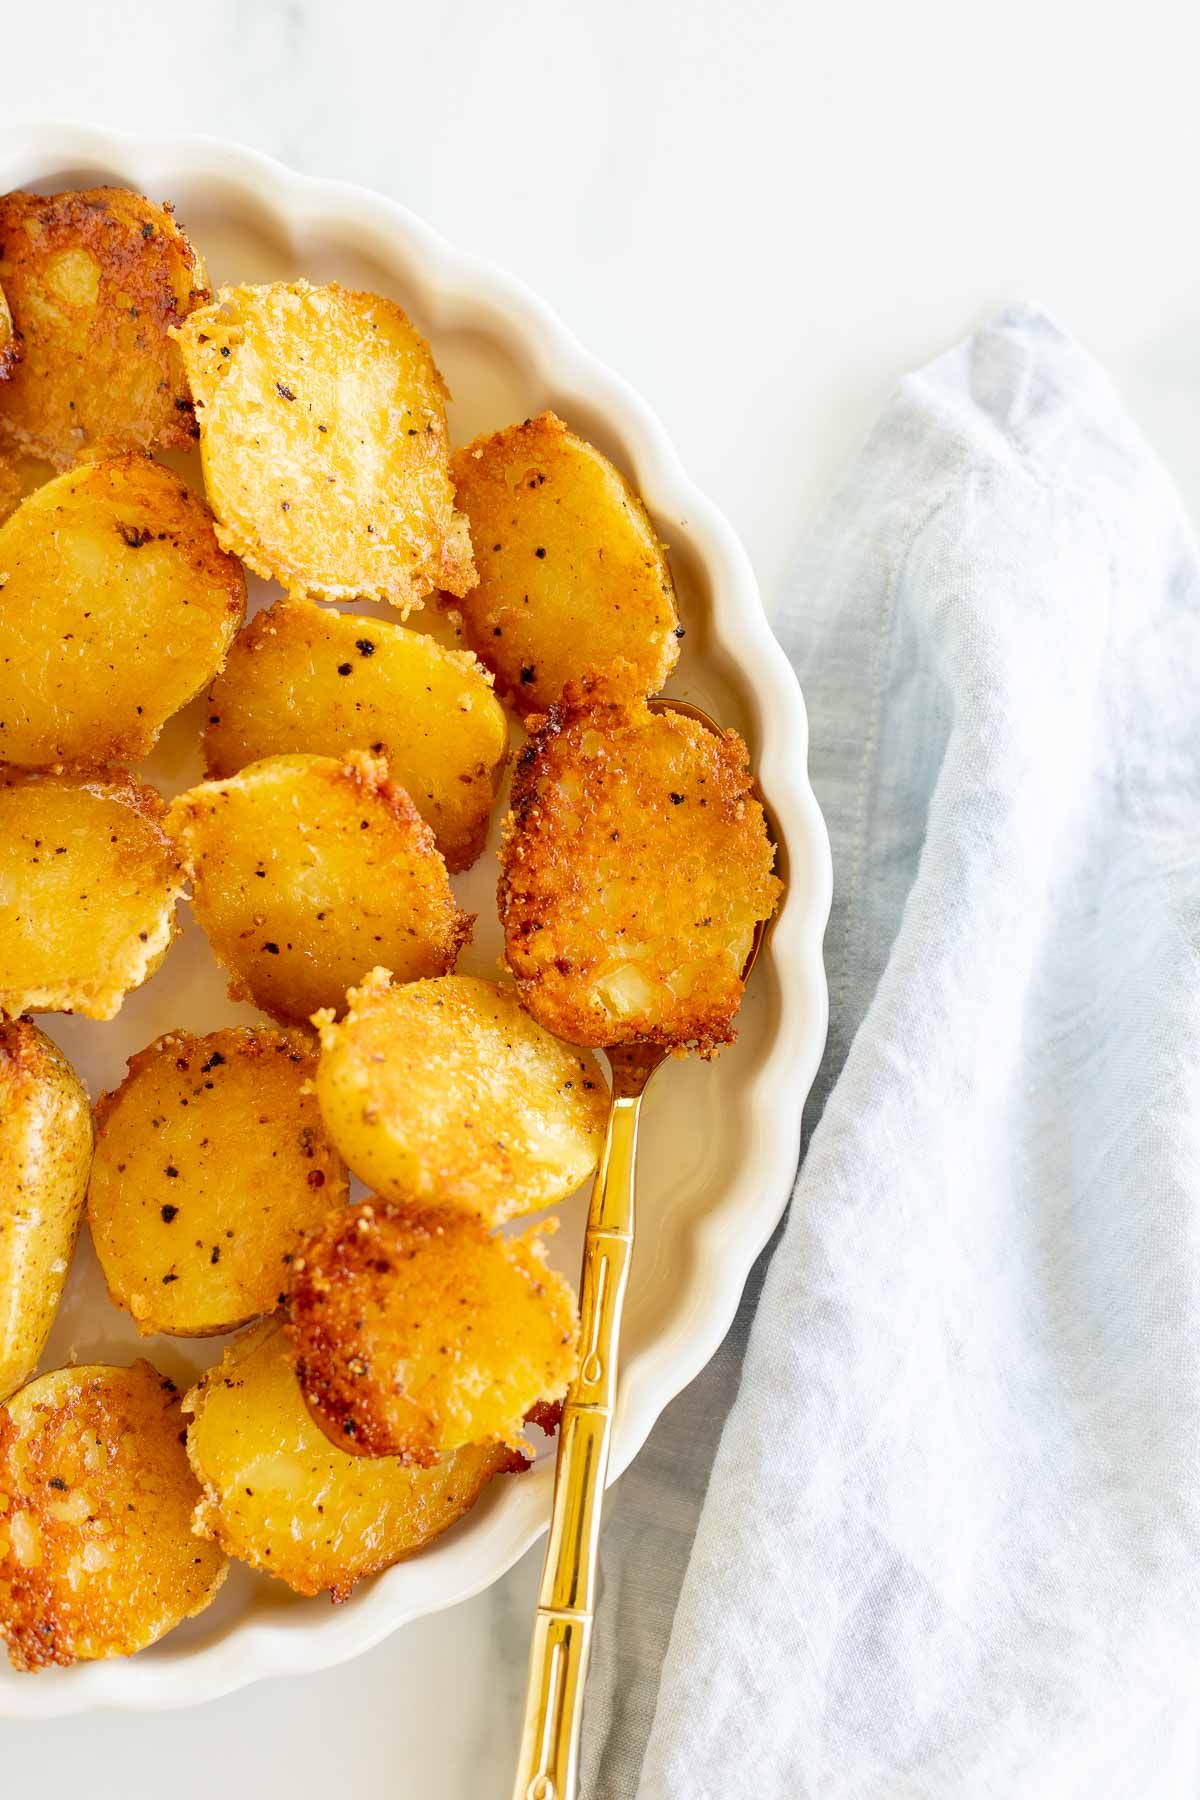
(761, 212)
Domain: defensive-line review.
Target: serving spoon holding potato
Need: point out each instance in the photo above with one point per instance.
(547, 1767)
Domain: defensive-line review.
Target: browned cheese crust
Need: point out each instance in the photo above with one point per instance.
(324, 441)
(88, 885)
(95, 280)
(211, 1165)
(415, 1332)
(281, 1497)
(572, 579)
(97, 1554)
(635, 869)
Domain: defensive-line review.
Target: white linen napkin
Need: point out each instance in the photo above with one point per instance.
(950, 1547)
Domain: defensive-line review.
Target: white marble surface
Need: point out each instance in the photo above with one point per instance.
(761, 213)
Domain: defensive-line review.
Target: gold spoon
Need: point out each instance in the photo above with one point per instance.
(548, 1764)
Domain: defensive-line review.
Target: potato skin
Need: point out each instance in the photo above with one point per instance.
(635, 866)
(323, 436)
(306, 870)
(446, 1092)
(279, 1495)
(95, 280)
(88, 884)
(415, 1332)
(117, 607)
(45, 1153)
(572, 579)
(97, 1555)
(303, 678)
(211, 1165)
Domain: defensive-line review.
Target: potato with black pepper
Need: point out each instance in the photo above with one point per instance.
(323, 436)
(95, 279)
(211, 1165)
(446, 1091)
(45, 1153)
(88, 885)
(572, 579)
(97, 1553)
(280, 1496)
(416, 1332)
(302, 677)
(308, 870)
(117, 605)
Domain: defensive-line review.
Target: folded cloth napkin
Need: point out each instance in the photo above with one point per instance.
(950, 1546)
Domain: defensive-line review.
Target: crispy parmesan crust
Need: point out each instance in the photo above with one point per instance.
(95, 280)
(572, 579)
(323, 435)
(301, 677)
(211, 1165)
(117, 606)
(97, 1555)
(447, 1092)
(45, 1152)
(306, 870)
(279, 1495)
(635, 868)
(89, 879)
(415, 1332)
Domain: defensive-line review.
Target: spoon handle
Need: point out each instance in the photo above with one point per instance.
(548, 1766)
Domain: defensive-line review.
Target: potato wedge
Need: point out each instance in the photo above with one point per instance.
(117, 605)
(88, 885)
(306, 871)
(97, 1553)
(415, 1332)
(279, 1495)
(303, 678)
(323, 436)
(211, 1165)
(45, 1152)
(445, 1091)
(9, 348)
(635, 869)
(94, 281)
(572, 579)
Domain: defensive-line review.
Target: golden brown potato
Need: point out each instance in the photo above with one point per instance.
(20, 475)
(279, 1495)
(9, 348)
(323, 435)
(45, 1150)
(117, 605)
(445, 1091)
(572, 579)
(88, 884)
(415, 1333)
(94, 281)
(301, 677)
(635, 869)
(97, 1554)
(211, 1164)
(306, 871)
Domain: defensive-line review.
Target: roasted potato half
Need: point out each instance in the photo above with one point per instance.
(88, 884)
(211, 1164)
(447, 1092)
(306, 871)
(94, 282)
(117, 605)
(279, 1495)
(635, 870)
(572, 579)
(303, 678)
(97, 1553)
(45, 1152)
(415, 1332)
(323, 436)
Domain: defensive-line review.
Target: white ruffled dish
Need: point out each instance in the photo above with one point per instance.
(719, 1142)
